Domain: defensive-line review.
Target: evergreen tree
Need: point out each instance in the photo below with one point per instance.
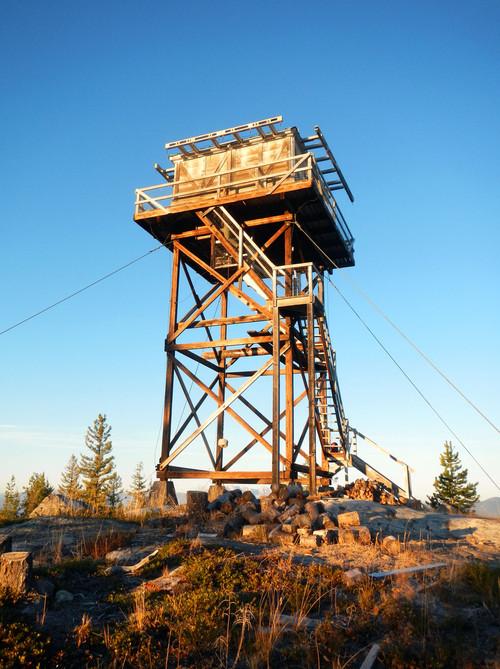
(98, 467)
(70, 485)
(11, 501)
(139, 487)
(37, 490)
(115, 492)
(451, 486)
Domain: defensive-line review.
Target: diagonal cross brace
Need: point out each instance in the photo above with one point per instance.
(215, 413)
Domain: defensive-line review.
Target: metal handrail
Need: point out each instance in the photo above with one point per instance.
(145, 198)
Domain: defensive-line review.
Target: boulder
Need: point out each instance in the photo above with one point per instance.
(351, 535)
(349, 519)
(214, 491)
(56, 504)
(15, 571)
(233, 526)
(45, 587)
(310, 541)
(352, 576)
(314, 509)
(129, 556)
(328, 536)
(63, 597)
(302, 520)
(327, 522)
(391, 545)
(277, 536)
(5, 544)
(267, 502)
(248, 496)
(255, 532)
(289, 513)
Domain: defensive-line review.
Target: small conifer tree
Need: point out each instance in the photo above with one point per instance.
(70, 485)
(451, 486)
(11, 501)
(139, 487)
(115, 492)
(97, 468)
(37, 490)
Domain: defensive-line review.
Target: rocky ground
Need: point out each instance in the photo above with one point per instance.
(88, 568)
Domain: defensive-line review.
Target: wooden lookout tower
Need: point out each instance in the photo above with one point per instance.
(250, 216)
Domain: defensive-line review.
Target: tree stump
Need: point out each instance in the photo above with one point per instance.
(15, 571)
(197, 501)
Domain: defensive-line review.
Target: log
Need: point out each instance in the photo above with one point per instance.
(142, 563)
(369, 660)
(407, 570)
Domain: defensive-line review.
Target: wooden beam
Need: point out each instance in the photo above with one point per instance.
(229, 320)
(195, 414)
(252, 443)
(225, 405)
(169, 376)
(276, 397)
(243, 297)
(200, 309)
(230, 410)
(269, 219)
(221, 343)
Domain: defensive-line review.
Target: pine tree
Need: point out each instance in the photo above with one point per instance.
(115, 492)
(37, 490)
(451, 486)
(11, 501)
(98, 467)
(138, 488)
(70, 485)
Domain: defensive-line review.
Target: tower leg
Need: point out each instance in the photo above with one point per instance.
(289, 406)
(222, 362)
(312, 392)
(169, 381)
(276, 398)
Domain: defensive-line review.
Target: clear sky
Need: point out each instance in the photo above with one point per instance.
(408, 95)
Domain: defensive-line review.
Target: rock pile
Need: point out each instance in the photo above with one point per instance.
(287, 516)
(371, 491)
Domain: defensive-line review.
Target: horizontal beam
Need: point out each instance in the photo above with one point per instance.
(269, 219)
(216, 343)
(228, 320)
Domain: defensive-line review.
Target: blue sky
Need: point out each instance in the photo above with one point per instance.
(408, 96)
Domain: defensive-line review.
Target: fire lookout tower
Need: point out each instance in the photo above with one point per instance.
(250, 217)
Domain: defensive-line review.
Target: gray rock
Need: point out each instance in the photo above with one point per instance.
(63, 597)
(56, 504)
(5, 544)
(45, 587)
(129, 556)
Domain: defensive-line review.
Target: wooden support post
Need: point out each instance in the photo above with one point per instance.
(222, 383)
(289, 404)
(276, 397)
(169, 380)
(312, 400)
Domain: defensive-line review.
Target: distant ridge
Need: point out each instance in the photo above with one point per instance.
(488, 507)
